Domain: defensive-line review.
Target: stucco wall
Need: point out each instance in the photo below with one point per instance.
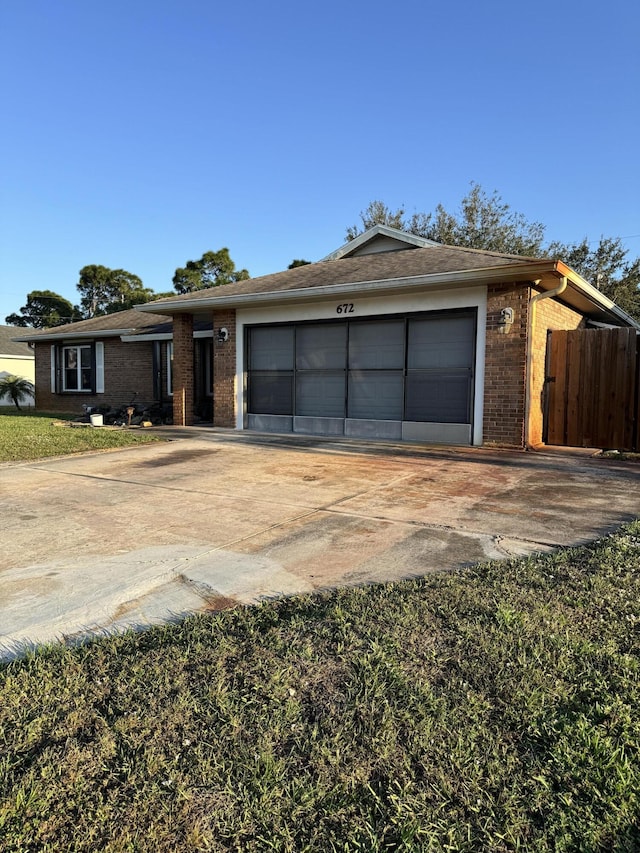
(25, 368)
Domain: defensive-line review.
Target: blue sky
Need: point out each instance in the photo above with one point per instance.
(140, 134)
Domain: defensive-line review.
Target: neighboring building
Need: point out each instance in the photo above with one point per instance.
(390, 337)
(16, 359)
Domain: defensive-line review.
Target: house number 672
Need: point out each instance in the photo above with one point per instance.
(345, 308)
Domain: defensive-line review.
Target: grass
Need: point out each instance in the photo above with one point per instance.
(25, 436)
(492, 709)
(622, 455)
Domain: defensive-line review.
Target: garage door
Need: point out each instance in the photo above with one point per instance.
(405, 377)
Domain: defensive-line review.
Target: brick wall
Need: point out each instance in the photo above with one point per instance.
(505, 366)
(183, 370)
(224, 370)
(128, 370)
(550, 314)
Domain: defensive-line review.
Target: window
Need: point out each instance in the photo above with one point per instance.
(77, 368)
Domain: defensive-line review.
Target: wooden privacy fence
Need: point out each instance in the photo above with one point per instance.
(592, 388)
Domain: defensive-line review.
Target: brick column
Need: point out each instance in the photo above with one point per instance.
(183, 369)
(224, 369)
(505, 366)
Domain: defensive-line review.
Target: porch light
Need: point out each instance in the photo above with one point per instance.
(223, 335)
(505, 321)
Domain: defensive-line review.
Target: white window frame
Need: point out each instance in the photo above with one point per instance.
(78, 348)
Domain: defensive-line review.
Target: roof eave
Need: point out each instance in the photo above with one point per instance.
(96, 333)
(545, 271)
(464, 278)
(594, 296)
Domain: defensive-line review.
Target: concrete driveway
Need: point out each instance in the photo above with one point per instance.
(211, 518)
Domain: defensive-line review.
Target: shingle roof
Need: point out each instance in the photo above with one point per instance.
(11, 347)
(373, 267)
(108, 324)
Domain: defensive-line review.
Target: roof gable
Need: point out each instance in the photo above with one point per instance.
(379, 238)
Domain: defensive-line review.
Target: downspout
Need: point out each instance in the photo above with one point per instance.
(531, 324)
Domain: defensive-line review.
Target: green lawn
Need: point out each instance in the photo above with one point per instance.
(26, 436)
(492, 709)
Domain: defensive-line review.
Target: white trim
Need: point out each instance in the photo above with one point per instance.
(369, 306)
(165, 336)
(99, 367)
(399, 287)
(578, 292)
(53, 368)
(19, 357)
(411, 240)
(133, 339)
(78, 368)
(71, 336)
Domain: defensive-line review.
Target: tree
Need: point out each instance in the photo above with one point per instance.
(297, 262)
(607, 267)
(486, 222)
(483, 222)
(43, 310)
(104, 291)
(16, 388)
(212, 270)
(377, 213)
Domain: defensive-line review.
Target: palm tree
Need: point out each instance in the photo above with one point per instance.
(15, 388)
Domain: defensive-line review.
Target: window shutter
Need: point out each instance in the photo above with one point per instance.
(54, 364)
(99, 367)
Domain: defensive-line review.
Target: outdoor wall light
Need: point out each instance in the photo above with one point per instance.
(505, 321)
(223, 335)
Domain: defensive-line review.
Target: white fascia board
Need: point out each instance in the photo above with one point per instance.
(165, 336)
(592, 294)
(76, 336)
(531, 271)
(465, 278)
(133, 339)
(375, 231)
